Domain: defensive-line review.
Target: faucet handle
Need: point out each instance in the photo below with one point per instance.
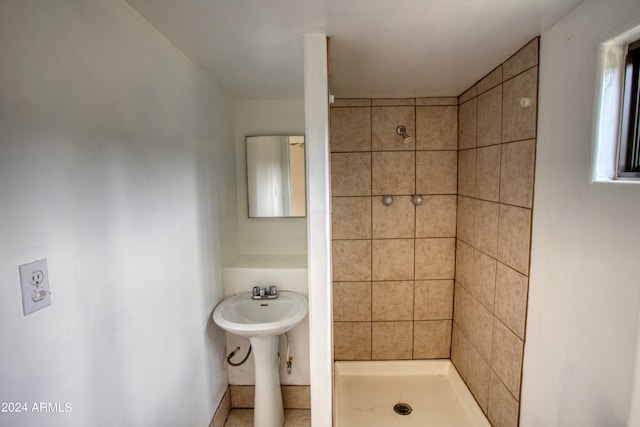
(273, 290)
(256, 291)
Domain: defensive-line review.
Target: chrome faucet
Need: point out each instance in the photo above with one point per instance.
(265, 293)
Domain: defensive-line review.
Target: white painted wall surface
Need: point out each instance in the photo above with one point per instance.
(584, 291)
(117, 165)
(316, 92)
(266, 236)
(287, 272)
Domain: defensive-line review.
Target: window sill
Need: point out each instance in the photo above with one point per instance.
(618, 181)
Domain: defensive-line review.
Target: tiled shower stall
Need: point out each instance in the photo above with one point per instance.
(447, 278)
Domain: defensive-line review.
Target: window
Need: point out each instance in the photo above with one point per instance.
(629, 147)
(616, 132)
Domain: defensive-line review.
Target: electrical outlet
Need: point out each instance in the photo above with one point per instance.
(37, 277)
(34, 282)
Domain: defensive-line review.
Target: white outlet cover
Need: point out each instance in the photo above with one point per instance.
(34, 279)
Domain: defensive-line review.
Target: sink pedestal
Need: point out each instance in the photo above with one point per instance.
(267, 406)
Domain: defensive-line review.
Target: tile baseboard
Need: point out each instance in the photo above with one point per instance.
(293, 396)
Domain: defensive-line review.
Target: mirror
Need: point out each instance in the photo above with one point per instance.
(276, 176)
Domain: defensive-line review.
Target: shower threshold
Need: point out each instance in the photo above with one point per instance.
(420, 393)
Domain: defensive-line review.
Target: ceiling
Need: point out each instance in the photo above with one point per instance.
(379, 48)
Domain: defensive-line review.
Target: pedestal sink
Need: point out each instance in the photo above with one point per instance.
(263, 321)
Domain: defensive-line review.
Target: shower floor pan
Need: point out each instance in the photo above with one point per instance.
(431, 390)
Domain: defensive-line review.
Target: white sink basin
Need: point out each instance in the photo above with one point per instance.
(244, 316)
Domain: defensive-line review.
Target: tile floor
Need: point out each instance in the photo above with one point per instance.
(292, 418)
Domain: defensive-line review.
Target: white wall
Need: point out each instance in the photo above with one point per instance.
(116, 164)
(266, 236)
(316, 90)
(584, 290)
(271, 250)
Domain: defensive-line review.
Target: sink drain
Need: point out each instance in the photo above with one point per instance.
(402, 408)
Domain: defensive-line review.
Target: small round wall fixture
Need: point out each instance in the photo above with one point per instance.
(417, 199)
(525, 102)
(402, 131)
(387, 199)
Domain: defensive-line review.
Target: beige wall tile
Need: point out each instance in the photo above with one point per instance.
(519, 122)
(459, 351)
(491, 80)
(436, 172)
(350, 129)
(436, 217)
(222, 412)
(433, 300)
(490, 117)
(389, 102)
(480, 328)
(351, 174)
(484, 279)
(351, 217)
(462, 309)
(432, 339)
(450, 181)
(351, 301)
(297, 417)
(486, 238)
(393, 259)
(524, 59)
(506, 357)
(395, 221)
(437, 101)
(239, 418)
(293, 396)
(352, 340)
(437, 128)
(503, 408)
(392, 301)
(467, 172)
(478, 378)
(488, 173)
(467, 124)
(392, 340)
(351, 102)
(466, 217)
(516, 176)
(242, 396)
(435, 258)
(464, 264)
(385, 120)
(468, 94)
(393, 172)
(511, 298)
(351, 260)
(296, 396)
(514, 236)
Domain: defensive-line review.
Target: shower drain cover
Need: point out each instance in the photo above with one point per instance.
(402, 408)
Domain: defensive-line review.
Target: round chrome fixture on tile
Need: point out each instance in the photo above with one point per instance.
(387, 199)
(417, 199)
